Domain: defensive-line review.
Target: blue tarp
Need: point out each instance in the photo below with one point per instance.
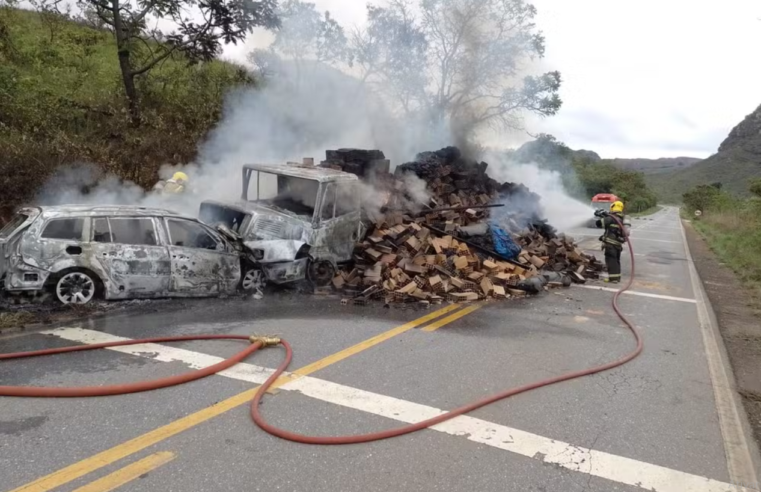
(503, 243)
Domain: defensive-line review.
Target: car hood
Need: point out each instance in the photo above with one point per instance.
(269, 223)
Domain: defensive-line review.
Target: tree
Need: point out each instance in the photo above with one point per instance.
(391, 54)
(701, 197)
(461, 60)
(52, 14)
(304, 35)
(200, 29)
(604, 177)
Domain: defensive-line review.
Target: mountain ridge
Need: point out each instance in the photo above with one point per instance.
(737, 160)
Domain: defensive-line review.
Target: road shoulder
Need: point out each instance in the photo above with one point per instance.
(738, 324)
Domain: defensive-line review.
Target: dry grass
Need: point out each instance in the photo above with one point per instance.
(16, 319)
(734, 234)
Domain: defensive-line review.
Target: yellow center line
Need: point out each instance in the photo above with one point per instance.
(128, 473)
(452, 317)
(105, 458)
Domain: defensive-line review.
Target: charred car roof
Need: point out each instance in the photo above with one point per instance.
(91, 210)
(321, 174)
(239, 206)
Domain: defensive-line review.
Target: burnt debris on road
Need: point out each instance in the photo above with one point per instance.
(451, 244)
(438, 228)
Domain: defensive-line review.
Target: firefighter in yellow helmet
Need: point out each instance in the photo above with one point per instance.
(612, 239)
(174, 186)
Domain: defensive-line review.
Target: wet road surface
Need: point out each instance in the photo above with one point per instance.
(657, 423)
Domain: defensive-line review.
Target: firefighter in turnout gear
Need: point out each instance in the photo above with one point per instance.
(174, 186)
(613, 239)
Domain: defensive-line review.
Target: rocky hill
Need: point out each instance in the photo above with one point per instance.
(737, 161)
(550, 153)
(656, 166)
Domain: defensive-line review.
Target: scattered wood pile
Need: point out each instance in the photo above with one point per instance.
(403, 260)
(363, 163)
(442, 249)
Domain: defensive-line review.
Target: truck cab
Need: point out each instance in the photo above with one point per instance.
(293, 222)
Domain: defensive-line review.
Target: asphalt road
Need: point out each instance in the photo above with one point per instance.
(658, 423)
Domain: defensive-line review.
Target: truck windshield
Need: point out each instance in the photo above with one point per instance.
(296, 195)
(11, 226)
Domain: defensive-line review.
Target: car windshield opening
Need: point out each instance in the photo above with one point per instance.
(14, 224)
(292, 194)
(216, 215)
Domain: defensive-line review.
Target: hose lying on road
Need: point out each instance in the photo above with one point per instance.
(258, 342)
(376, 436)
(123, 389)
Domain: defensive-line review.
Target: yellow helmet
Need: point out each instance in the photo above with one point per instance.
(180, 176)
(617, 207)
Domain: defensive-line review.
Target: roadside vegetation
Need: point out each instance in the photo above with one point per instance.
(604, 177)
(585, 174)
(649, 211)
(103, 85)
(61, 103)
(732, 227)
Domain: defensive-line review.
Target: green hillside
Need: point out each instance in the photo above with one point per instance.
(655, 166)
(734, 165)
(733, 169)
(62, 102)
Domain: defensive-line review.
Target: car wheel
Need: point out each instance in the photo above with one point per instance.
(76, 288)
(253, 280)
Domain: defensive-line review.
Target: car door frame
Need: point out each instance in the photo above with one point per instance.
(335, 237)
(193, 270)
(132, 270)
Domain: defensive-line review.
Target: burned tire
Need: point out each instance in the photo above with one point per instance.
(253, 280)
(320, 273)
(76, 287)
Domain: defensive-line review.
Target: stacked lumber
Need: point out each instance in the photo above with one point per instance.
(363, 163)
(403, 260)
(406, 262)
(455, 181)
(428, 255)
(560, 254)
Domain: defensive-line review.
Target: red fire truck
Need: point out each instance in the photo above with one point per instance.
(603, 201)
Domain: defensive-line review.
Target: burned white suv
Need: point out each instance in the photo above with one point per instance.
(118, 252)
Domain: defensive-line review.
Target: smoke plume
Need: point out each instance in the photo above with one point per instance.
(299, 112)
(561, 210)
(302, 108)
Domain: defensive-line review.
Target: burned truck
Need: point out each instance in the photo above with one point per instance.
(293, 222)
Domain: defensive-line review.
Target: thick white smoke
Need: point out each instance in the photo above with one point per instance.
(561, 210)
(300, 112)
(301, 109)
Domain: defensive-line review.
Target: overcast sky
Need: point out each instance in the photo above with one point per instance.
(642, 78)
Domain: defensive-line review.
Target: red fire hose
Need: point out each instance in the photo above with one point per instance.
(123, 389)
(258, 342)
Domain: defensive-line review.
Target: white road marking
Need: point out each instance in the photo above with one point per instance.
(583, 460)
(734, 429)
(634, 239)
(636, 232)
(650, 228)
(637, 293)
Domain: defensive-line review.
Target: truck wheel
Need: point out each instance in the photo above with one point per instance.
(320, 273)
(253, 280)
(77, 287)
